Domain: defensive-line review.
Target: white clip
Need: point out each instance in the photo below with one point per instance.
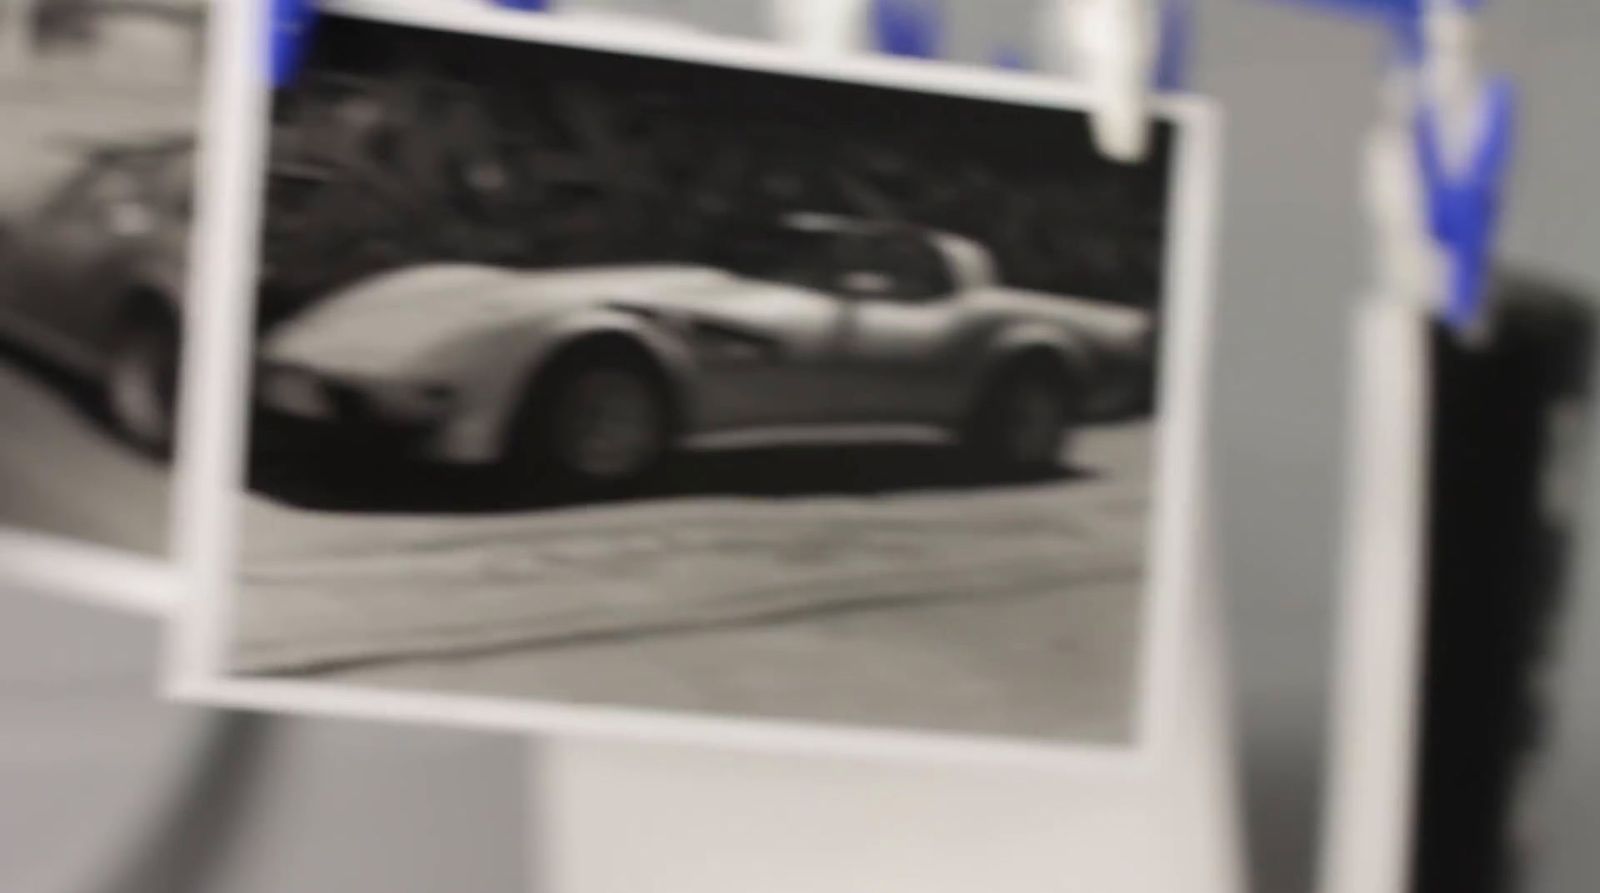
(1110, 47)
(1407, 262)
(822, 27)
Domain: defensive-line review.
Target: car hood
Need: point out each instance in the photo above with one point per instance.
(406, 316)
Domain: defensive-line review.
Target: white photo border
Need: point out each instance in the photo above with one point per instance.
(117, 579)
(214, 427)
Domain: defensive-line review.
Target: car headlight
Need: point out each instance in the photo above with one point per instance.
(311, 395)
(410, 402)
(296, 392)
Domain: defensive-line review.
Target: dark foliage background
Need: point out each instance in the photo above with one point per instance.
(398, 145)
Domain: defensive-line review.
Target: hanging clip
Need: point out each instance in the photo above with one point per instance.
(1172, 44)
(289, 35)
(1465, 127)
(293, 22)
(910, 28)
(1447, 137)
(1119, 51)
(821, 27)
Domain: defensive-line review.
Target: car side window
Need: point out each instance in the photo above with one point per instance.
(894, 267)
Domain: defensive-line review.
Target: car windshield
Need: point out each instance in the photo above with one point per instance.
(792, 256)
(899, 264)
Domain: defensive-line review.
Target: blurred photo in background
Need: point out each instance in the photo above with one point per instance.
(99, 100)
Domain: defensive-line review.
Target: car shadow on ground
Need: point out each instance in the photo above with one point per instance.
(357, 483)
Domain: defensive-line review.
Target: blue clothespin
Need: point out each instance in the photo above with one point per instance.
(294, 20)
(1172, 47)
(290, 36)
(1464, 207)
(910, 28)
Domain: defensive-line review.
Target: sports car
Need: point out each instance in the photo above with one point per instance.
(91, 277)
(820, 329)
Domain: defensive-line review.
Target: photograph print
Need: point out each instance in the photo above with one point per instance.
(605, 379)
(99, 102)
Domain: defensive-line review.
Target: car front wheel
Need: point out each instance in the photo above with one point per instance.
(599, 423)
(142, 382)
(1024, 421)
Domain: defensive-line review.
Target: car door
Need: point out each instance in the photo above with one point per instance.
(904, 336)
(769, 346)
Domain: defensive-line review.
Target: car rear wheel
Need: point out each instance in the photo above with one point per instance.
(142, 381)
(1025, 419)
(599, 423)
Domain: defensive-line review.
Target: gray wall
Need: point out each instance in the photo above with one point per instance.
(358, 807)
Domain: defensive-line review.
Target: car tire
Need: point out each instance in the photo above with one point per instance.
(1025, 419)
(141, 384)
(597, 423)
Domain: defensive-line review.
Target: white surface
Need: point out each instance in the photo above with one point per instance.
(93, 776)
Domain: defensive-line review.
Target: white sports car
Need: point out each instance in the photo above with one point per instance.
(823, 329)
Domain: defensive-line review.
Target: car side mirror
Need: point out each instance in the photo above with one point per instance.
(866, 284)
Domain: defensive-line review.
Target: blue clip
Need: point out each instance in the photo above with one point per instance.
(290, 35)
(1172, 61)
(908, 27)
(1464, 210)
(294, 20)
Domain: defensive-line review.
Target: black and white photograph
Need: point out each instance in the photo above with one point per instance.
(590, 377)
(99, 102)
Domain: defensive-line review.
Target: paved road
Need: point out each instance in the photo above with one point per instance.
(63, 473)
(876, 587)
